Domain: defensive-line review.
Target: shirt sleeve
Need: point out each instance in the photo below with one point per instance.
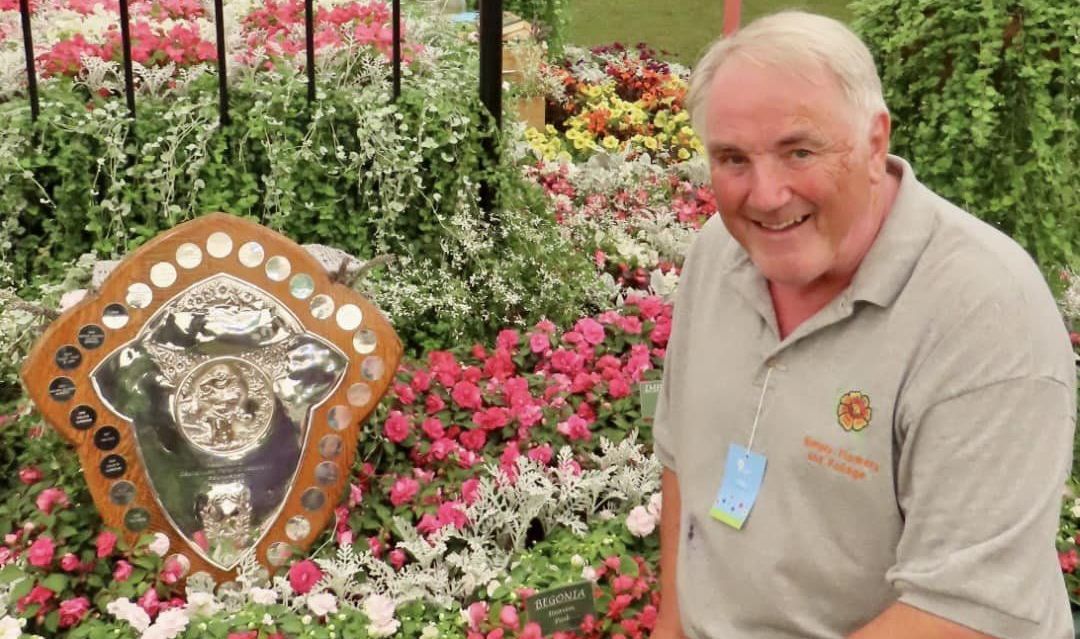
(979, 483)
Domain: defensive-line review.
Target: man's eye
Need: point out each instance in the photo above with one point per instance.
(734, 160)
(802, 154)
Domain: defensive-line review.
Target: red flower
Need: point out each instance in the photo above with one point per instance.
(50, 498)
(30, 475)
(303, 575)
(1068, 560)
(73, 610)
(466, 395)
(396, 428)
(433, 428)
(403, 490)
(38, 595)
(41, 552)
(105, 543)
(473, 439)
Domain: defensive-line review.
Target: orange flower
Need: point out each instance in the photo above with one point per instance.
(854, 412)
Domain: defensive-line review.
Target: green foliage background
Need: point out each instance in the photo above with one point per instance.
(986, 106)
(357, 172)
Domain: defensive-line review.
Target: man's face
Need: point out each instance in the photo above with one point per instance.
(794, 169)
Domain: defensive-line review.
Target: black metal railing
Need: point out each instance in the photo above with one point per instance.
(490, 61)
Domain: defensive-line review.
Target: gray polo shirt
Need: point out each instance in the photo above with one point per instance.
(917, 430)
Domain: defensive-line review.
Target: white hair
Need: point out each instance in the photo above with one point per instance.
(793, 40)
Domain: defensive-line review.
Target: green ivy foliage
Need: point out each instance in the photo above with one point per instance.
(985, 104)
(357, 171)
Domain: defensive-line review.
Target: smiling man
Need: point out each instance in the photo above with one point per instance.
(868, 403)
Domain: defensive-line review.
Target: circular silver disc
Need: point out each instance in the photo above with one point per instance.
(278, 553)
(339, 417)
(301, 286)
(330, 446)
(297, 528)
(313, 499)
(326, 473)
(349, 317)
(139, 295)
(359, 394)
(278, 268)
(364, 341)
(115, 316)
(322, 306)
(372, 368)
(219, 244)
(251, 254)
(188, 255)
(162, 274)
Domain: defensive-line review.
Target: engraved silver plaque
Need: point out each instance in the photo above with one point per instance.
(219, 386)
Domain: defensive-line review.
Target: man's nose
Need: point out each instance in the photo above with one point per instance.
(769, 187)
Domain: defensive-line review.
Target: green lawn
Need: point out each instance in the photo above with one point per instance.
(683, 28)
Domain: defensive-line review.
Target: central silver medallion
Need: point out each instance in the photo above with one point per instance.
(224, 406)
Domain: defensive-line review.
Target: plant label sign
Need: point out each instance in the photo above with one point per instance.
(649, 392)
(561, 608)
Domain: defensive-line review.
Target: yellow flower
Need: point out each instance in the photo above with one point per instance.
(610, 142)
(683, 154)
(650, 143)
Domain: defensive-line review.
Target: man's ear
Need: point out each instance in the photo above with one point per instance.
(880, 129)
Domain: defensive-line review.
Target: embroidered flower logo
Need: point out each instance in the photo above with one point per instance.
(853, 412)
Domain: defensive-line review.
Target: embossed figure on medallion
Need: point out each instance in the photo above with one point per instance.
(219, 386)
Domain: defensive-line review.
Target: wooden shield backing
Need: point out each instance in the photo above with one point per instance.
(65, 371)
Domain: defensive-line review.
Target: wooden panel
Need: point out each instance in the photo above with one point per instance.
(60, 354)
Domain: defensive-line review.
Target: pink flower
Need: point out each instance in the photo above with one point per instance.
(172, 571)
(630, 324)
(444, 367)
(69, 563)
(508, 616)
(421, 381)
(433, 404)
(30, 475)
(122, 571)
(50, 498)
(41, 552)
(303, 575)
(149, 602)
(466, 395)
(38, 595)
(450, 513)
(618, 387)
(355, 495)
(575, 428)
(492, 418)
(473, 439)
(396, 427)
(507, 339)
(1068, 560)
(565, 361)
(106, 542)
(539, 342)
(404, 393)
(397, 558)
(541, 454)
(476, 612)
(73, 610)
(591, 330)
(532, 631)
(403, 490)
(433, 428)
(469, 488)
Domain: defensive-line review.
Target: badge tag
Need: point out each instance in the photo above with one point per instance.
(743, 473)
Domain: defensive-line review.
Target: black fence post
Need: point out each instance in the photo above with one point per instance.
(491, 85)
(223, 88)
(397, 47)
(309, 34)
(31, 72)
(125, 43)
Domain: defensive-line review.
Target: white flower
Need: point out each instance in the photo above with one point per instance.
(169, 624)
(71, 298)
(588, 573)
(430, 632)
(605, 515)
(11, 628)
(640, 523)
(380, 611)
(655, 504)
(322, 604)
(202, 604)
(267, 620)
(264, 596)
(126, 610)
(577, 561)
(306, 620)
(492, 586)
(160, 545)
(1075, 510)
